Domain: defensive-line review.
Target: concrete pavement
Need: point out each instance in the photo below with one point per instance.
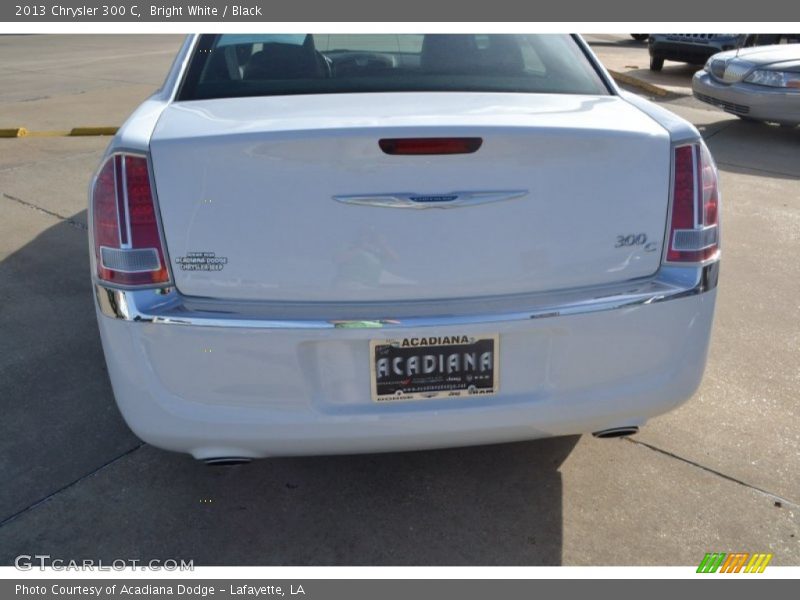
(718, 474)
(64, 81)
(623, 54)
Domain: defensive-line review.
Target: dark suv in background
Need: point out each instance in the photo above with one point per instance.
(697, 48)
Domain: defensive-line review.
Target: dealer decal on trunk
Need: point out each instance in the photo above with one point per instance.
(201, 261)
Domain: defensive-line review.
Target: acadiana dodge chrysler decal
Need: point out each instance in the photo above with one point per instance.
(201, 261)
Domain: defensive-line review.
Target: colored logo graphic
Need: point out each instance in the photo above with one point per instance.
(734, 563)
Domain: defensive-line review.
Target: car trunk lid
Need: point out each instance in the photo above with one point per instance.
(257, 195)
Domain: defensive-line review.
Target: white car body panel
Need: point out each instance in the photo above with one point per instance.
(218, 392)
(273, 359)
(240, 187)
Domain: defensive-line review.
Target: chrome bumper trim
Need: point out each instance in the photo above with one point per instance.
(167, 306)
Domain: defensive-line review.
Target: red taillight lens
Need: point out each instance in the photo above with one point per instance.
(418, 146)
(694, 229)
(127, 242)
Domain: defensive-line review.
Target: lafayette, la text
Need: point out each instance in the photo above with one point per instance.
(148, 589)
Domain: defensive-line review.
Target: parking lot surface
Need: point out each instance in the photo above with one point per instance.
(718, 474)
(623, 54)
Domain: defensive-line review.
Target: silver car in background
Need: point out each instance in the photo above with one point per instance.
(757, 84)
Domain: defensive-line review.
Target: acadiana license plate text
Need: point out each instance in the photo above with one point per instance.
(428, 367)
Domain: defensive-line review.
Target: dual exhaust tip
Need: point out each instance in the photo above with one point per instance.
(616, 432)
(227, 461)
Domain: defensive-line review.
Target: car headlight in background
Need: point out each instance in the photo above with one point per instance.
(779, 79)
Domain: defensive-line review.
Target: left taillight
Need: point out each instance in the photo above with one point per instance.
(127, 241)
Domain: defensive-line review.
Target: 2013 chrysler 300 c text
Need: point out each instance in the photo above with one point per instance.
(308, 244)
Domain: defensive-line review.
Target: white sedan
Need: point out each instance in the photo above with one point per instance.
(755, 84)
(311, 244)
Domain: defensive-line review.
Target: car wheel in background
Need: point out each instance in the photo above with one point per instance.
(640, 37)
(656, 63)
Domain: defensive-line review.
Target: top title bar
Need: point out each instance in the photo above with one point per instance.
(261, 11)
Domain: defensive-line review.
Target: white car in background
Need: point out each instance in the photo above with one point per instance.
(309, 244)
(755, 84)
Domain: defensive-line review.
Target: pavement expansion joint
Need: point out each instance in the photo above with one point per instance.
(55, 493)
(779, 500)
(31, 205)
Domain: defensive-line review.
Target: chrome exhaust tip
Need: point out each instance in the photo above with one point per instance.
(227, 461)
(616, 432)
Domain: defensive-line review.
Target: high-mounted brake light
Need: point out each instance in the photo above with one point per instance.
(127, 243)
(694, 228)
(453, 145)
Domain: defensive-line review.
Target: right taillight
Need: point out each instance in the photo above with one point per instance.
(127, 241)
(694, 225)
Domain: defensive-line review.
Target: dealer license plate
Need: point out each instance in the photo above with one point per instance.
(428, 367)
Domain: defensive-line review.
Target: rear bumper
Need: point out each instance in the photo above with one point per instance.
(748, 100)
(239, 381)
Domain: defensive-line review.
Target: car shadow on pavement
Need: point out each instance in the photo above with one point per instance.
(57, 424)
(77, 484)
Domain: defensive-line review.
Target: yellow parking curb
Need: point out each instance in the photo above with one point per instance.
(13, 132)
(59, 133)
(77, 131)
(636, 82)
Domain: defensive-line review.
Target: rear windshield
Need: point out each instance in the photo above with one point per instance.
(231, 65)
